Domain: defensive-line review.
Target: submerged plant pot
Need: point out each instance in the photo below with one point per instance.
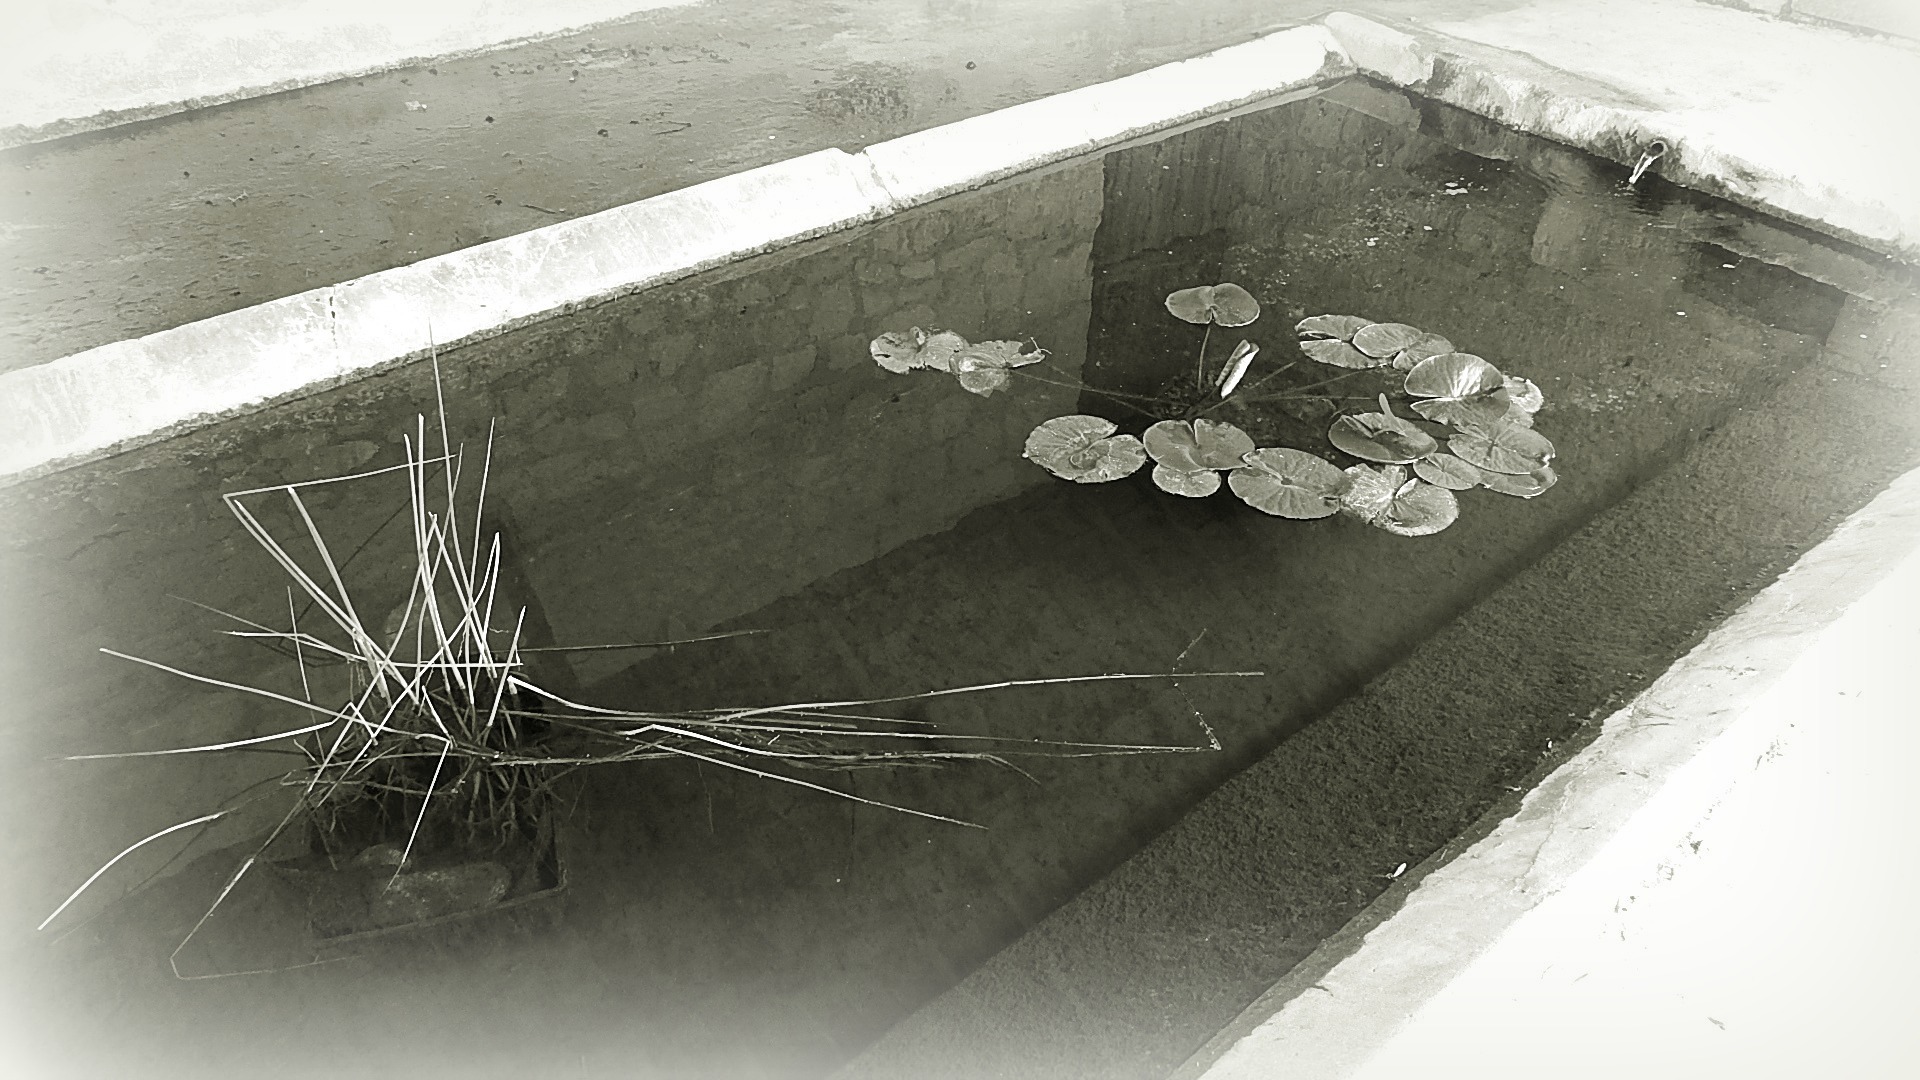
(364, 897)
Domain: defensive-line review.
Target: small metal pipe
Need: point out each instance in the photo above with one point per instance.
(1655, 150)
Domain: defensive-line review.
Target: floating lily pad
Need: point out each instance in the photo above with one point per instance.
(1084, 449)
(1447, 471)
(1338, 353)
(1387, 499)
(1194, 485)
(897, 350)
(1236, 367)
(1454, 374)
(1225, 304)
(1288, 483)
(1503, 448)
(1419, 509)
(1459, 388)
(1526, 486)
(1370, 490)
(1382, 340)
(1381, 436)
(1200, 445)
(900, 352)
(942, 351)
(1522, 398)
(1188, 453)
(1428, 345)
(1338, 327)
(982, 366)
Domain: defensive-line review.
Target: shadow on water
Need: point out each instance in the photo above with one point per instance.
(723, 453)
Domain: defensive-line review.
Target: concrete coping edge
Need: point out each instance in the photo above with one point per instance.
(130, 393)
(1522, 93)
(1659, 766)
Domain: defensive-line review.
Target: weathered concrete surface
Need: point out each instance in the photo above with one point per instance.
(1702, 859)
(82, 65)
(1785, 117)
(929, 164)
(128, 392)
(120, 233)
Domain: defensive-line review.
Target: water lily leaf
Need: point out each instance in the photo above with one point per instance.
(1197, 446)
(1381, 436)
(900, 352)
(1503, 448)
(1428, 345)
(1084, 449)
(1225, 304)
(1370, 491)
(942, 351)
(1522, 395)
(984, 381)
(1450, 472)
(1419, 509)
(1194, 485)
(1236, 367)
(982, 366)
(1382, 340)
(1454, 374)
(1338, 353)
(1387, 499)
(897, 350)
(1460, 388)
(1526, 486)
(1338, 327)
(1288, 483)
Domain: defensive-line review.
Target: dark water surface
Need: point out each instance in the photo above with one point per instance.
(723, 454)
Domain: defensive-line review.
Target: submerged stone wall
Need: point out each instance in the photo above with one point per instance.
(661, 464)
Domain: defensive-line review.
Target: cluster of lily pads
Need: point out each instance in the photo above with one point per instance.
(980, 366)
(1478, 432)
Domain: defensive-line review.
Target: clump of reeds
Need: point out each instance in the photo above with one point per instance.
(441, 736)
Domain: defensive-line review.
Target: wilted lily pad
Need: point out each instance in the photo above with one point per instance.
(982, 367)
(1388, 499)
(1338, 353)
(1382, 340)
(1459, 388)
(1370, 490)
(900, 352)
(1337, 327)
(1447, 471)
(1084, 449)
(1526, 486)
(1503, 448)
(1288, 483)
(1381, 436)
(1225, 304)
